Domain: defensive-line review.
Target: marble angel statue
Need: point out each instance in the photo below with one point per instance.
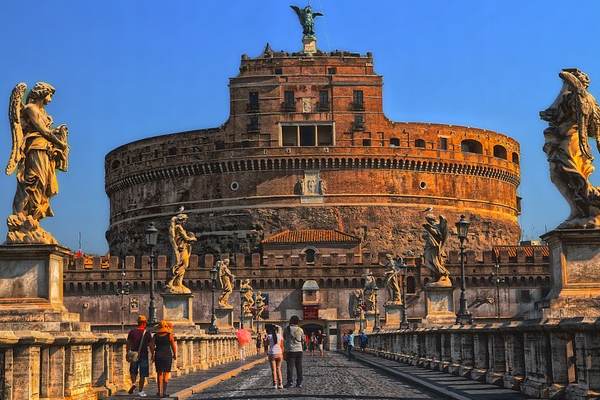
(39, 149)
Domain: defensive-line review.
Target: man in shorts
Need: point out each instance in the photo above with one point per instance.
(138, 340)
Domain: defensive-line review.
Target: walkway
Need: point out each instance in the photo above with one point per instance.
(332, 377)
(448, 385)
(184, 386)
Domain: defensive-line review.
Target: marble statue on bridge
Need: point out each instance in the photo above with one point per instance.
(434, 255)
(226, 278)
(181, 241)
(370, 292)
(38, 150)
(261, 304)
(573, 118)
(247, 297)
(392, 279)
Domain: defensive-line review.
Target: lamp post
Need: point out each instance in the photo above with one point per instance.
(212, 329)
(463, 316)
(403, 272)
(241, 307)
(123, 291)
(376, 327)
(497, 281)
(151, 240)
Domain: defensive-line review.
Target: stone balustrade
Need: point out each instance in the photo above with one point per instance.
(84, 365)
(558, 359)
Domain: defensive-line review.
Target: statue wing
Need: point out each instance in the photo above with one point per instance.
(14, 116)
(443, 229)
(299, 13)
(317, 14)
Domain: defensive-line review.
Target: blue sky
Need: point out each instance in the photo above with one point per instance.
(125, 70)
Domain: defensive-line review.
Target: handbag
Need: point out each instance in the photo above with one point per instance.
(134, 356)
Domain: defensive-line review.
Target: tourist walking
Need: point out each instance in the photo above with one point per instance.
(259, 342)
(293, 339)
(345, 342)
(266, 343)
(275, 354)
(138, 341)
(164, 352)
(363, 340)
(320, 338)
(350, 344)
(312, 344)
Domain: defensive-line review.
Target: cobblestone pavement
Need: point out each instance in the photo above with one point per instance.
(332, 377)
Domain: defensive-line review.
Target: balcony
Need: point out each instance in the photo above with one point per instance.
(323, 106)
(358, 126)
(252, 107)
(253, 127)
(357, 106)
(288, 107)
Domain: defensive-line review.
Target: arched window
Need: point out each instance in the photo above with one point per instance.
(500, 152)
(471, 146)
(310, 255)
(394, 142)
(515, 158)
(420, 143)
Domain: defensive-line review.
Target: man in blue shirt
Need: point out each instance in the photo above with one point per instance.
(350, 344)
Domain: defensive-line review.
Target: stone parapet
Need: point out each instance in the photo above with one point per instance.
(542, 359)
(83, 365)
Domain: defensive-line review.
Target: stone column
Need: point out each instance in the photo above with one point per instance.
(537, 358)
(121, 366)
(204, 350)
(497, 362)
(515, 361)
(587, 350)
(466, 365)
(78, 369)
(455, 353)
(480, 352)
(26, 372)
(7, 388)
(446, 343)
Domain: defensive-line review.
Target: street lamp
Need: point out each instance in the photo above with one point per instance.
(463, 316)
(212, 329)
(376, 327)
(151, 240)
(123, 291)
(241, 307)
(497, 281)
(403, 272)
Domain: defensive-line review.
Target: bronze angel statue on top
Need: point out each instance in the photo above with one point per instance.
(38, 150)
(307, 19)
(434, 255)
(181, 241)
(573, 118)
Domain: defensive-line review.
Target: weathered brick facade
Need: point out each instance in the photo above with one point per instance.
(307, 145)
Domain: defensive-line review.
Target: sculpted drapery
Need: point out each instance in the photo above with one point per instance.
(434, 255)
(181, 241)
(226, 279)
(392, 280)
(573, 118)
(38, 150)
(247, 297)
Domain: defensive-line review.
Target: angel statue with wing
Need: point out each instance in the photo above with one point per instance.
(307, 20)
(38, 150)
(573, 118)
(392, 279)
(434, 255)
(181, 241)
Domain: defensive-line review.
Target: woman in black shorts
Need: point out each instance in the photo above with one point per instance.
(165, 351)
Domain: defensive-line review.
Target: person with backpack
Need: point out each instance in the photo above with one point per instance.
(350, 344)
(293, 339)
(363, 339)
(138, 341)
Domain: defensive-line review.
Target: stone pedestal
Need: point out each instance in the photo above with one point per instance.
(177, 308)
(575, 266)
(369, 321)
(440, 306)
(31, 289)
(224, 319)
(309, 44)
(249, 322)
(393, 315)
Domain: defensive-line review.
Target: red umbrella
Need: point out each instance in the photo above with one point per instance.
(243, 336)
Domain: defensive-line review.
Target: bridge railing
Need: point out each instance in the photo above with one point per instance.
(542, 360)
(87, 365)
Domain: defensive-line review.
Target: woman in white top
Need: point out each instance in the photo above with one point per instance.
(275, 353)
